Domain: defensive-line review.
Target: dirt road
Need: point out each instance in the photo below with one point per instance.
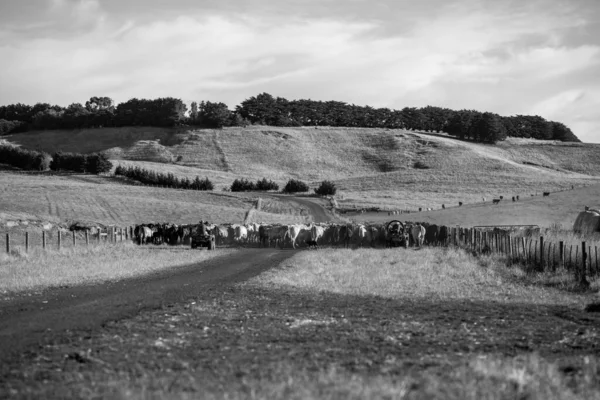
(318, 212)
(28, 320)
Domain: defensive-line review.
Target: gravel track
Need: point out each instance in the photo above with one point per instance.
(28, 320)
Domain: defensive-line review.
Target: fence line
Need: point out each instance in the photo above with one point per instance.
(536, 255)
(58, 239)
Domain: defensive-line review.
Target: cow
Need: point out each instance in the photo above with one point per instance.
(275, 233)
(312, 244)
(431, 234)
(317, 232)
(221, 233)
(517, 197)
(420, 209)
(513, 198)
(443, 235)
(240, 234)
(496, 201)
(501, 197)
(443, 206)
(460, 203)
(298, 233)
(546, 194)
(418, 234)
(143, 234)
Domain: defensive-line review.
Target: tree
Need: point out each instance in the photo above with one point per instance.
(293, 186)
(326, 188)
(95, 104)
(213, 115)
(563, 133)
(488, 128)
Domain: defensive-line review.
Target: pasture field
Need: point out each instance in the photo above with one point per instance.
(557, 209)
(392, 169)
(432, 323)
(37, 269)
(108, 201)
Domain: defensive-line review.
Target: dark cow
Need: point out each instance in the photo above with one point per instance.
(513, 199)
(501, 197)
(444, 206)
(443, 235)
(546, 194)
(431, 235)
(460, 203)
(312, 244)
(496, 201)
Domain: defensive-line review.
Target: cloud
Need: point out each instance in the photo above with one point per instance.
(508, 58)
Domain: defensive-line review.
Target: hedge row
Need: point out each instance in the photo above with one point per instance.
(244, 185)
(149, 177)
(95, 163)
(25, 159)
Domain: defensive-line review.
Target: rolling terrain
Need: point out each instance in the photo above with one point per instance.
(389, 169)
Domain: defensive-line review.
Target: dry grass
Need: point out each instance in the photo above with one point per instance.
(429, 273)
(38, 269)
(377, 167)
(100, 199)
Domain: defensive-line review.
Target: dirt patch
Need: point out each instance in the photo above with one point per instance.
(235, 340)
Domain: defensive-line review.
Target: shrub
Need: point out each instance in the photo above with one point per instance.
(242, 185)
(24, 159)
(263, 184)
(98, 163)
(327, 188)
(293, 186)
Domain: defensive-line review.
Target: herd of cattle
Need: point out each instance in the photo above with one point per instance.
(298, 235)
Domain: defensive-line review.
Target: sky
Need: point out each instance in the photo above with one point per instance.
(532, 57)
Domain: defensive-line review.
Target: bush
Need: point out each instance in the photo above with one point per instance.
(327, 188)
(242, 185)
(68, 162)
(263, 184)
(24, 159)
(98, 163)
(294, 186)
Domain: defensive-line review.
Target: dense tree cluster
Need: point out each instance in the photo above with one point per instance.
(327, 188)
(149, 177)
(265, 109)
(24, 159)
(244, 185)
(467, 124)
(95, 163)
(294, 186)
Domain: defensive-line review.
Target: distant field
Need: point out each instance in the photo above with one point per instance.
(390, 169)
(98, 199)
(377, 167)
(558, 208)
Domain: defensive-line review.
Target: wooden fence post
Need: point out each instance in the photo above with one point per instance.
(524, 257)
(596, 267)
(74, 239)
(570, 254)
(561, 254)
(7, 243)
(87, 238)
(26, 241)
(44, 240)
(541, 253)
(582, 279)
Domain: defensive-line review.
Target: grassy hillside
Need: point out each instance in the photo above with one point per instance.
(391, 169)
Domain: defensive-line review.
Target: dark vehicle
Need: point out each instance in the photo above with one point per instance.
(396, 234)
(201, 238)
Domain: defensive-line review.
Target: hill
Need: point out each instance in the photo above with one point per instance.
(371, 167)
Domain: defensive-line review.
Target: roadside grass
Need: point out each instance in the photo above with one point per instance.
(427, 273)
(37, 269)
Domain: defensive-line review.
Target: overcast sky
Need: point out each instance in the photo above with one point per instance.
(510, 57)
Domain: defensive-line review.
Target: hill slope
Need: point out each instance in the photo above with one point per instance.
(377, 167)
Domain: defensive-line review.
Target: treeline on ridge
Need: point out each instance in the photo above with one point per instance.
(265, 109)
(32, 160)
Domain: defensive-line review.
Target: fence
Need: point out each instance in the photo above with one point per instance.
(59, 239)
(536, 254)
